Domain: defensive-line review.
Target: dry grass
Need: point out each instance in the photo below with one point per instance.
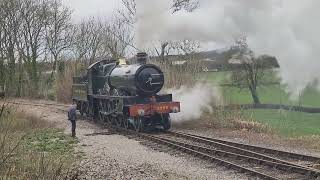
(180, 75)
(22, 121)
(311, 142)
(20, 158)
(221, 118)
(63, 83)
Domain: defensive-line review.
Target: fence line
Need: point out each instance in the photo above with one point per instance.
(271, 106)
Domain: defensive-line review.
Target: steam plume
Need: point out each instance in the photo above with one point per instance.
(287, 29)
(194, 101)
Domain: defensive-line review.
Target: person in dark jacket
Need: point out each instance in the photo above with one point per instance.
(72, 117)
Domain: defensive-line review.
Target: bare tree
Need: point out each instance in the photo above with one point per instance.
(29, 31)
(188, 5)
(165, 47)
(186, 47)
(118, 38)
(80, 41)
(130, 11)
(251, 71)
(2, 57)
(35, 15)
(87, 39)
(95, 40)
(10, 10)
(58, 31)
(163, 51)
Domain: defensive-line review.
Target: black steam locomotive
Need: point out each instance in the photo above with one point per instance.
(124, 95)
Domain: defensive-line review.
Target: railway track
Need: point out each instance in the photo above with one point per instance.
(251, 165)
(305, 159)
(256, 161)
(235, 153)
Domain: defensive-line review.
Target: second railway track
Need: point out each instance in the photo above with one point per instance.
(257, 167)
(273, 152)
(257, 161)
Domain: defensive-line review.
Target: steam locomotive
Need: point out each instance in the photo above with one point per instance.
(125, 95)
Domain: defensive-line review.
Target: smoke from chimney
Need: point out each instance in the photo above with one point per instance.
(287, 29)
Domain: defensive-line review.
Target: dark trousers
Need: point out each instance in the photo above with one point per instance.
(73, 128)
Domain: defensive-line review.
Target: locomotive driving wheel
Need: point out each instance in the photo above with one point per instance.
(139, 124)
(125, 122)
(109, 121)
(101, 116)
(166, 121)
(118, 121)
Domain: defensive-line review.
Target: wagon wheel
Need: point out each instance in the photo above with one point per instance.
(101, 116)
(139, 124)
(118, 121)
(107, 121)
(81, 108)
(125, 123)
(113, 120)
(87, 109)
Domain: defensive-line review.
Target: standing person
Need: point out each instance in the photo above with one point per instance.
(72, 117)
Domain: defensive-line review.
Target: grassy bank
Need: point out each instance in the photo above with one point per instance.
(31, 149)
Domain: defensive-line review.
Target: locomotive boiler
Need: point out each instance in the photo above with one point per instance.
(125, 95)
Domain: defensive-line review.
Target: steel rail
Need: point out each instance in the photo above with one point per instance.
(284, 167)
(237, 150)
(254, 148)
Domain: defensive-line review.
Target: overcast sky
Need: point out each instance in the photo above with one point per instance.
(86, 8)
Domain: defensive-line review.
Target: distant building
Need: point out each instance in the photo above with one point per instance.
(179, 62)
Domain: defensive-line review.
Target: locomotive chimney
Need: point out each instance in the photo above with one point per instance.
(142, 57)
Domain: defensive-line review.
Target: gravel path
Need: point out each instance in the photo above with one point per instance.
(118, 157)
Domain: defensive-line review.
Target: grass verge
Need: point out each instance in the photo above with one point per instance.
(31, 149)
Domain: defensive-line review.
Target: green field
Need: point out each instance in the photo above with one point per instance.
(274, 93)
(287, 123)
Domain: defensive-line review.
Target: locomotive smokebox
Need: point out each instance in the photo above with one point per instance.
(137, 79)
(142, 57)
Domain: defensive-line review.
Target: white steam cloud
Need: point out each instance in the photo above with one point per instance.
(287, 29)
(193, 101)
